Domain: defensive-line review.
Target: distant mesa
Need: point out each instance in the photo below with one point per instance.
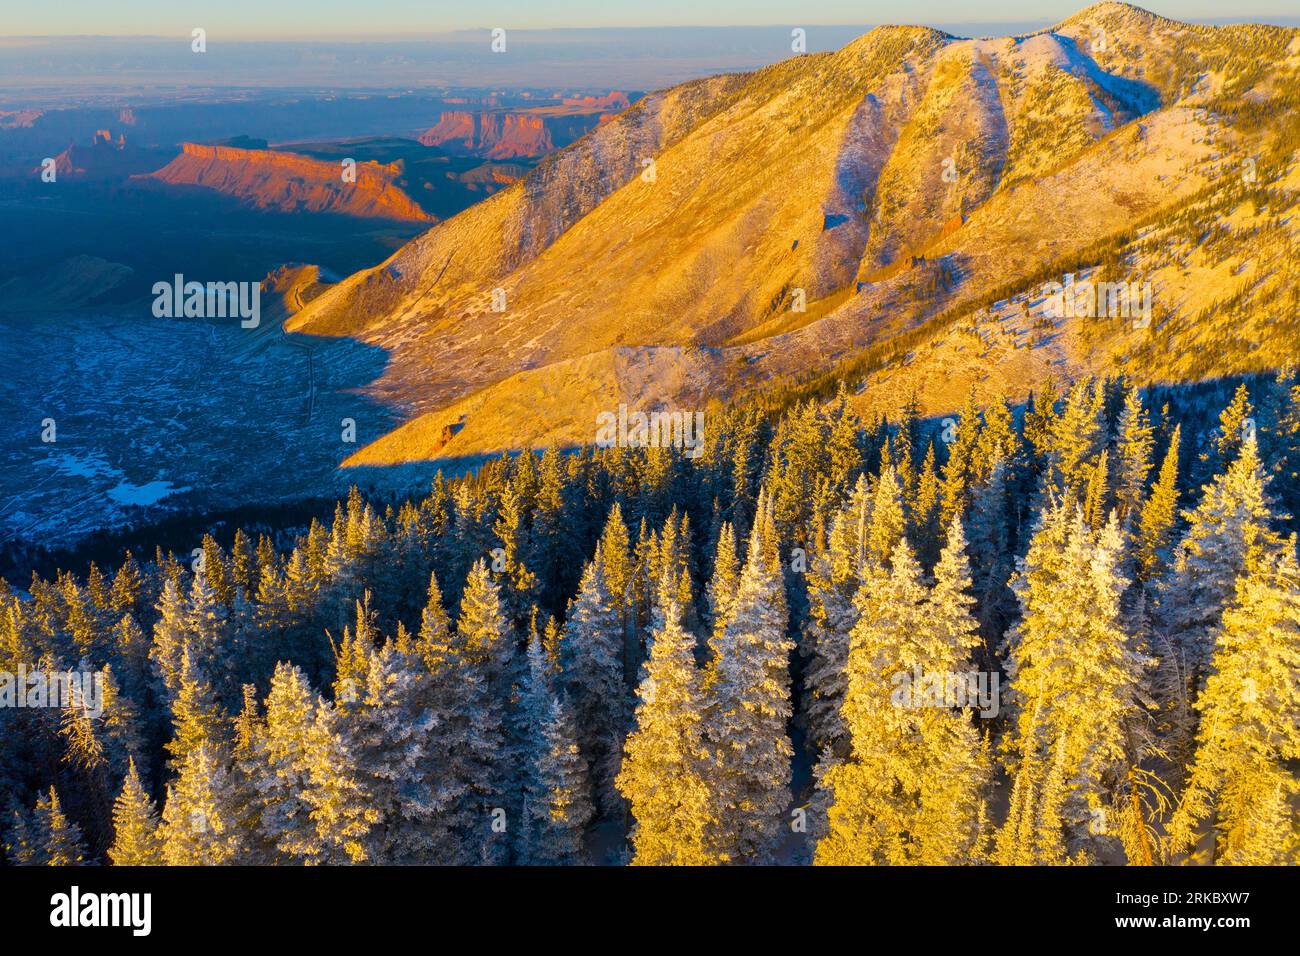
(491, 135)
(275, 181)
(19, 119)
(615, 100)
(522, 133)
(107, 157)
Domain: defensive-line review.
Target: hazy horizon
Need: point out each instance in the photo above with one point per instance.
(52, 69)
(338, 20)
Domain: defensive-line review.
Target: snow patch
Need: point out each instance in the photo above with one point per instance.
(139, 495)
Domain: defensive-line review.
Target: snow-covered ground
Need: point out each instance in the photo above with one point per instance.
(150, 415)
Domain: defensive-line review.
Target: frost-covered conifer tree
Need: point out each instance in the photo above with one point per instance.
(557, 803)
(591, 661)
(282, 750)
(135, 826)
(1078, 677)
(1240, 781)
(749, 708)
(665, 771)
(913, 787)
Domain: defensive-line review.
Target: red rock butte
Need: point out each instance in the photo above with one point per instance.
(288, 182)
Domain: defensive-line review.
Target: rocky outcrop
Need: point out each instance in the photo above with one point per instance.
(106, 159)
(492, 135)
(286, 182)
(614, 100)
(521, 134)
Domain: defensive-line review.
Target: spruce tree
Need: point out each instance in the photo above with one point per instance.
(557, 805)
(1134, 448)
(198, 719)
(340, 803)
(888, 521)
(721, 595)
(170, 638)
(1079, 678)
(665, 773)
(749, 709)
(1235, 428)
(913, 788)
(1159, 513)
(45, 836)
(1229, 527)
(200, 820)
(1249, 730)
(591, 660)
(832, 584)
(135, 825)
(485, 643)
(283, 748)
(391, 736)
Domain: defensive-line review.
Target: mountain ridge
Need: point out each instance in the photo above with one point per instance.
(877, 188)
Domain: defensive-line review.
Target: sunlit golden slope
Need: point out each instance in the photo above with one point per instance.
(766, 226)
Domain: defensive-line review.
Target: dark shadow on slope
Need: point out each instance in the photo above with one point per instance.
(1136, 97)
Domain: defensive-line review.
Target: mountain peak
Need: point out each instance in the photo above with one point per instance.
(1111, 11)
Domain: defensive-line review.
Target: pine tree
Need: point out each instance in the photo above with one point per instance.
(282, 746)
(1159, 512)
(665, 771)
(591, 661)
(912, 790)
(1134, 449)
(557, 807)
(1077, 674)
(749, 708)
(1240, 781)
(135, 826)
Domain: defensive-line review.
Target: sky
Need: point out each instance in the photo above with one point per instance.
(304, 19)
